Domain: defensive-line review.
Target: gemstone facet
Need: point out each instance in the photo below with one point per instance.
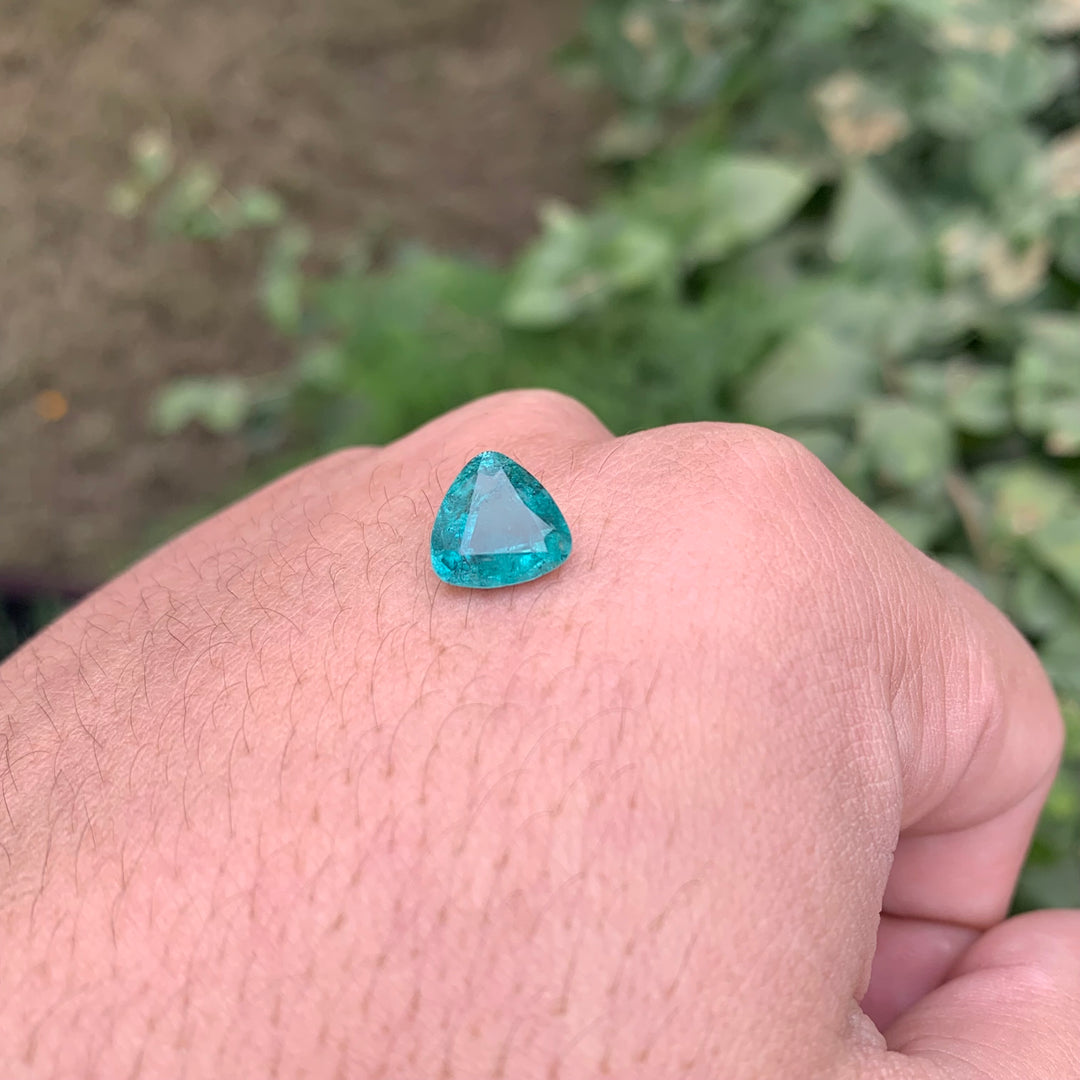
(497, 525)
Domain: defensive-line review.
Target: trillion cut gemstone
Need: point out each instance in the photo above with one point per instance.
(497, 526)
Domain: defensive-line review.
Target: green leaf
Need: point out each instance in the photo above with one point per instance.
(259, 208)
(1054, 883)
(1058, 654)
(220, 405)
(745, 199)
(635, 256)
(1056, 544)
(1070, 713)
(974, 92)
(1063, 800)
(1055, 335)
(910, 446)
(282, 298)
(1067, 246)
(282, 287)
(830, 22)
(727, 201)
(1046, 379)
(549, 286)
(815, 375)
(664, 53)
(1011, 169)
(1038, 603)
(185, 209)
(887, 320)
(929, 11)
(924, 382)
(1024, 496)
(871, 230)
(580, 262)
(323, 365)
(978, 397)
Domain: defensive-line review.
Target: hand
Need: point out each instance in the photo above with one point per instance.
(277, 803)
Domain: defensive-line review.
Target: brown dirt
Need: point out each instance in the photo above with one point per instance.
(439, 118)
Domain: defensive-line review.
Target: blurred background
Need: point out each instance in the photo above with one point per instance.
(235, 236)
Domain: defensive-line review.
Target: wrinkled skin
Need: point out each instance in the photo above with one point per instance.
(278, 803)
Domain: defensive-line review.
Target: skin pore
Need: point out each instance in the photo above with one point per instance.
(278, 803)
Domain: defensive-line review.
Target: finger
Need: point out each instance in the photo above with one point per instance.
(1009, 1008)
(912, 958)
(980, 736)
(982, 743)
(975, 731)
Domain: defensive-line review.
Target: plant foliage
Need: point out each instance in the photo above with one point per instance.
(856, 221)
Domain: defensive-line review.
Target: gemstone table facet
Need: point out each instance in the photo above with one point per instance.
(497, 526)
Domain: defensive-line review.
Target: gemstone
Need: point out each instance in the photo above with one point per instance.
(497, 526)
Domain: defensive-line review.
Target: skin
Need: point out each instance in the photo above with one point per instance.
(278, 803)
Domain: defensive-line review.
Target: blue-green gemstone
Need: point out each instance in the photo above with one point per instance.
(497, 526)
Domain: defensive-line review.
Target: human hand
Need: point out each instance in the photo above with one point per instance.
(277, 803)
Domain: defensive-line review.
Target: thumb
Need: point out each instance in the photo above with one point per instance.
(1010, 1009)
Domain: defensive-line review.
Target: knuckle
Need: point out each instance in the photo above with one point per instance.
(774, 458)
(765, 465)
(1005, 670)
(768, 502)
(540, 408)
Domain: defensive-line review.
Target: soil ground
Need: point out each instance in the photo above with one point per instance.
(438, 118)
